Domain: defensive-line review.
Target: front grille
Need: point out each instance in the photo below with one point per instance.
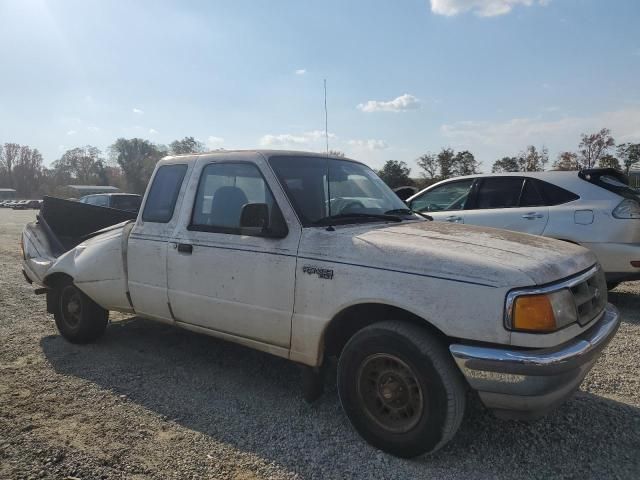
(590, 296)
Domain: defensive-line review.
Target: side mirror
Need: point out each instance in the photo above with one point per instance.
(255, 220)
(255, 216)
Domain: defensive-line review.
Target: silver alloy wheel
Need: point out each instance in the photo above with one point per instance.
(390, 393)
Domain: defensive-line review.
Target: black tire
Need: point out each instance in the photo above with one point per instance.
(78, 318)
(400, 367)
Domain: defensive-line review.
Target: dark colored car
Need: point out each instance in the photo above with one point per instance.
(120, 201)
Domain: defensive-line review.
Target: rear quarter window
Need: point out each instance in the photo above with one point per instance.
(162, 197)
(555, 195)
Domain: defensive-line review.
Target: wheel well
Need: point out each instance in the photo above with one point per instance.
(56, 279)
(356, 317)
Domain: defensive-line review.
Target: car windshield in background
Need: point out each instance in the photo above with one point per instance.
(610, 179)
(358, 195)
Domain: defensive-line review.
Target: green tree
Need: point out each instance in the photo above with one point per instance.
(609, 161)
(532, 159)
(395, 173)
(185, 146)
(445, 163)
(464, 163)
(429, 164)
(506, 164)
(628, 153)
(594, 146)
(136, 158)
(567, 161)
(336, 153)
(81, 165)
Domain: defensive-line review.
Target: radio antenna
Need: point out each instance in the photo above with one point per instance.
(326, 136)
(326, 117)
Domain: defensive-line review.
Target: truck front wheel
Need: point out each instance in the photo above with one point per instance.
(400, 388)
(78, 318)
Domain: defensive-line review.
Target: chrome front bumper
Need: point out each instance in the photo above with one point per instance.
(526, 383)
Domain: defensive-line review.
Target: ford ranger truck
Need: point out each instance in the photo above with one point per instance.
(312, 257)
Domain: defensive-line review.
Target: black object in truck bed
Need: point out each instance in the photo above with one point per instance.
(70, 222)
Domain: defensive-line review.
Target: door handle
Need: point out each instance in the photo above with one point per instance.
(532, 215)
(185, 248)
(453, 219)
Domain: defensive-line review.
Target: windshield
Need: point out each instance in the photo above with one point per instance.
(355, 190)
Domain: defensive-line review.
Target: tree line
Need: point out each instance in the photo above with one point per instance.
(128, 165)
(597, 149)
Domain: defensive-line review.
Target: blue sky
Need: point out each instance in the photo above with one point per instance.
(404, 77)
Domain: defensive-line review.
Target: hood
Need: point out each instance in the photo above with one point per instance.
(466, 253)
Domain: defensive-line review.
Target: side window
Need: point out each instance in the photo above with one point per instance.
(531, 196)
(450, 196)
(499, 192)
(223, 190)
(554, 195)
(163, 194)
(101, 201)
(97, 200)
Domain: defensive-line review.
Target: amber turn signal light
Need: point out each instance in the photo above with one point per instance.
(534, 313)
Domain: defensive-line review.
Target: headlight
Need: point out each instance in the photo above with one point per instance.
(541, 313)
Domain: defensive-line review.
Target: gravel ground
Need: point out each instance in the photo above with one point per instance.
(151, 401)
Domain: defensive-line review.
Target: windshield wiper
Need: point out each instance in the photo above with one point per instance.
(378, 216)
(408, 211)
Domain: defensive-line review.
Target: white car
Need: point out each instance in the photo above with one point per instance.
(593, 208)
(246, 246)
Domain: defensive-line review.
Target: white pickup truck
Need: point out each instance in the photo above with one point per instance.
(246, 246)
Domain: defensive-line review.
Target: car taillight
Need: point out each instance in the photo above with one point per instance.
(627, 209)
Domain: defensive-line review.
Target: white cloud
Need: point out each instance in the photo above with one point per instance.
(214, 143)
(493, 139)
(71, 132)
(301, 71)
(370, 144)
(399, 104)
(93, 128)
(482, 8)
(137, 111)
(313, 139)
(153, 131)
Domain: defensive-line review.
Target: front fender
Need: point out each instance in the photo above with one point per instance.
(97, 268)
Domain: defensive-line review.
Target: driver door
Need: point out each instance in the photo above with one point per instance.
(226, 280)
(445, 202)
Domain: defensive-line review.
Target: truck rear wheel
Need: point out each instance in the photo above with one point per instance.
(401, 389)
(78, 318)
